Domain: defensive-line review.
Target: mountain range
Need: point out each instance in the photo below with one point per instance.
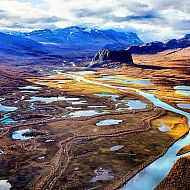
(76, 44)
(84, 36)
(71, 43)
(155, 47)
(77, 38)
(18, 45)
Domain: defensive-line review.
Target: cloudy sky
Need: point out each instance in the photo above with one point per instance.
(150, 19)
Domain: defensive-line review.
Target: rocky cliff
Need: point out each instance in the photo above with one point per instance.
(111, 59)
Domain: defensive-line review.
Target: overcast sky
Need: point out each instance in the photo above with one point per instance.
(150, 19)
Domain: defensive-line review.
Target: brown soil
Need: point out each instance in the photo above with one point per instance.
(178, 177)
(66, 152)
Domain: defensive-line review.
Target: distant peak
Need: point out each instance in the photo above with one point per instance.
(187, 36)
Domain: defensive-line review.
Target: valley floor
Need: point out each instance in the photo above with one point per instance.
(89, 129)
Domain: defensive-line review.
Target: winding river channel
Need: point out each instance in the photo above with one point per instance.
(154, 173)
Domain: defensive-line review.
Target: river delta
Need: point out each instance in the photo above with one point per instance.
(91, 129)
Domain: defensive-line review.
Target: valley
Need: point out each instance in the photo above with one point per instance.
(93, 128)
(94, 95)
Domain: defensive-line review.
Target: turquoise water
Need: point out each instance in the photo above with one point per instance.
(18, 135)
(7, 108)
(144, 82)
(183, 90)
(47, 100)
(32, 106)
(161, 104)
(7, 120)
(131, 105)
(51, 99)
(138, 82)
(113, 96)
(108, 122)
(84, 72)
(182, 87)
(135, 104)
(185, 106)
(85, 113)
(150, 176)
(155, 172)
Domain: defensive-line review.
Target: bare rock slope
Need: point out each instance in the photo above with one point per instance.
(111, 59)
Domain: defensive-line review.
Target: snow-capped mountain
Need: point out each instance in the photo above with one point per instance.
(71, 43)
(83, 38)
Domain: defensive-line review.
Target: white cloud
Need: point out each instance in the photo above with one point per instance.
(25, 10)
(153, 20)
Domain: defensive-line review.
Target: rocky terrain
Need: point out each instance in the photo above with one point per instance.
(68, 46)
(111, 59)
(178, 178)
(70, 127)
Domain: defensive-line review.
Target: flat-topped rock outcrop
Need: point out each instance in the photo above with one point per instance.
(111, 58)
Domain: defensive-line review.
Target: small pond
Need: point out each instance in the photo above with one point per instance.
(51, 99)
(6, 108)
(84, 72)
(30, 87)
(135, 104)
(144, 82)
(108, 122)
(6, 119)
(113, 96)
(183, 90)
(18, 135)
(184, 106)
(117, 147)
(1, 152)
(102, 175)
(85, 113)
(163, 128)
(79, 102)
(4, 185)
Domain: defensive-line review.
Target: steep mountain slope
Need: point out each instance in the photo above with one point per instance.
(75, 38)
(21, 51)
(10, 44)
(187, 36)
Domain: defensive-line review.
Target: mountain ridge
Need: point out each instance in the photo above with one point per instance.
(157, 46)
(82, 37)
(11, 44)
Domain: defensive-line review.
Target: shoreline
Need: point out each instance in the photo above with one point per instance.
(143, 128)
(129, 176)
